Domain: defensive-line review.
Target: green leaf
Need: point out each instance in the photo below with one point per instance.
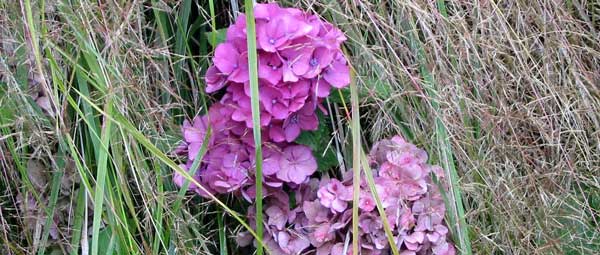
(318, 141)
(106, 241)
(334, 96)
(219, 35)
(8, 109)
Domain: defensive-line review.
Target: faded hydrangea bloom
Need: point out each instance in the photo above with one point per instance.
(412, 203)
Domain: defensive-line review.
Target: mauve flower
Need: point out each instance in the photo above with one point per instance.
(243, 113)
(291, 243)
(335, 196)
(444, 248)
(274, 102)
(193, 135)
(265, 12)
(309, 61)
(215, 80)
(297, 163)
(430, 211)
(366, 202)
(219, 114)
(315, 212)
(325, 249)
(276, 217)
(304, 119)
(178, 179)
(230, 176)
(337, 74)
(414, 240)
(369, 223)
(296, 93)
(322, 233)
(231, 62)
(329, 36)
(271, 159)
(270, 67)
(279, 31)
(236, 33)
(438, 231)
(321, 88)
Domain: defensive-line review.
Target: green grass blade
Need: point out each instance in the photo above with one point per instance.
(359, 159)
(101, 173)
(78, 221)
(356, 149)
(371, 182)
(253, 70)
(222, 234)
(195, 166)
(213, 22)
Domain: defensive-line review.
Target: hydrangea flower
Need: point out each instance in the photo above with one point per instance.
(416, 221)
(299, 61)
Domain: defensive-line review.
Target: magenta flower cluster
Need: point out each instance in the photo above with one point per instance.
(299, 62)
(228, 165)
(321, 220)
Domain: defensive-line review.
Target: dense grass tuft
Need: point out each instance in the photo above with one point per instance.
(504, 95)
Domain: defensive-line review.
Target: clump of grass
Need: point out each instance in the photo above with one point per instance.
(504, 93)
(512, 87)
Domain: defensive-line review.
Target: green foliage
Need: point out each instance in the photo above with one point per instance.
(219, 35)
(320, 141)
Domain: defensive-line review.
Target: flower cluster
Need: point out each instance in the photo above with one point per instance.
(299, 61)
(320, 222)
(229, 163)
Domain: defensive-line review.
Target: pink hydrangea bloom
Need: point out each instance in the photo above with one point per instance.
(299, 61)
(416, 220)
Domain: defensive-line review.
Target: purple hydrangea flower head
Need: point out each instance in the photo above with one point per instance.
(299, 60)
(416, 221)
